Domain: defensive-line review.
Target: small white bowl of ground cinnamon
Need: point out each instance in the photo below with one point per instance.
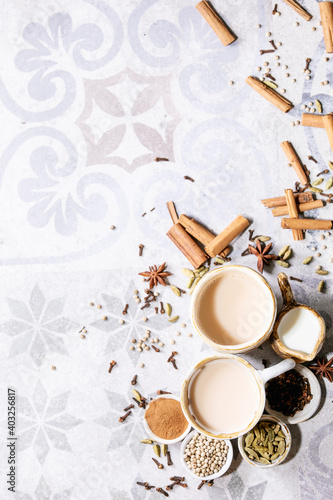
(164, 420)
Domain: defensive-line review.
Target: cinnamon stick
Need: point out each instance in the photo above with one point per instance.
(293, 213)
(302, 207)
(299, 9)
(222, 240)
(199, 232)
(270, 94)
(326, 14)
(309, 120)
(172, 211)
(319, 224)
(187, 245)
(280, 201)
(295, 161)
(328, 124)
(216, 22)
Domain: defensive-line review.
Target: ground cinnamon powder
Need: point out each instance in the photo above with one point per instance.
(166, 418)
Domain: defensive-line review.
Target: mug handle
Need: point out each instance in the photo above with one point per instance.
(276, 370)
(286, 291)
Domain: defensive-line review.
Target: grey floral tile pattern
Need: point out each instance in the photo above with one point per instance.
(91, 92)
(37, 327)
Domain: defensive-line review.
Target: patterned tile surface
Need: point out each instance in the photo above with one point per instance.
(91, 92)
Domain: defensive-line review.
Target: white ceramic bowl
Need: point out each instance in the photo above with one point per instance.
(310, 409)
(278, 461)
(220, 473)
(158, 439)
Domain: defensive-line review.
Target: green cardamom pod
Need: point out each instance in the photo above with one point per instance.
(196, 281)
(203, 272)
(251, 452)
(287, 255)
(147, 441)
(282, 447)
(318, 181)
(249, 438)
(264, 461)
(137, 395)
(157, 449)
(220, 260)
(270, 84)
(321, 286)
(283, 250)
(190, 282)
(315, 190)
(277, 428)
(187, 272)
(270, 448)
(281, 433)
(307, 260)
(175, 290)
(201, 268)
(257, 433)
(319, 106)
(282, 263)
(164, 449)
(173, 319)
(322, 272)
(168, 309)
(329, 183)
(275, 456)
(263, 238)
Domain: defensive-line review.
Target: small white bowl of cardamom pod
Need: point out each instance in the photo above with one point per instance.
(267, 444)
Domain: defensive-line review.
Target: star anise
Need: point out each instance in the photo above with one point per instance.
(156, 275)
(262, 254)
(323, 369)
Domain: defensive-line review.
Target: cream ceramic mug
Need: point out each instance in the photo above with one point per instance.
(224, 396)
(233, 309)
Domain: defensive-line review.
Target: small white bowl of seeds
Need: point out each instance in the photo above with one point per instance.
(204, 457)
(267, 444)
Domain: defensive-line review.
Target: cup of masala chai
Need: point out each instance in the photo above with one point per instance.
(223, 396)
(233, 309)
(164, 420)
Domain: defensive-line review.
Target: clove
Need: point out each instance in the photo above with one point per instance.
(187, 178)
(128, 407)
(312, 159)
(141, 247)
(307, 63)
(177, 478)
(123, 418)
(159, 392)
(156, 349)
(323, 172)
(162, 308)
(266, 51)
(125, 309)
(112, 364)
(274, 11)
(201, 484)
(134, 380)
(273, 44)
(169, 461)
(161, 159)
(161, 490)
(159, 465)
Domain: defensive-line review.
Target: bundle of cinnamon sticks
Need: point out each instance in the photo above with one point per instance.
(186, 233)
(292, 204)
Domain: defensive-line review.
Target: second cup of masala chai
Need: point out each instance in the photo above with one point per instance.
(233, 309)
